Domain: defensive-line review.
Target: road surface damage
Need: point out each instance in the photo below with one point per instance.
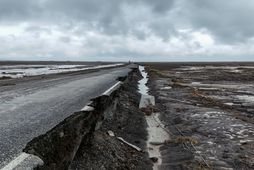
(82, 141)
(161, 116)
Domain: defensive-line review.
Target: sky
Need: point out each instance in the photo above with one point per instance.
(123, 30)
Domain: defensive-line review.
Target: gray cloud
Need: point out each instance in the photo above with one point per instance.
(229, 21)
(107, 27)
(13, 10)
(106, 15)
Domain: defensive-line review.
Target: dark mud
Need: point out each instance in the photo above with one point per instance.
(208, 110)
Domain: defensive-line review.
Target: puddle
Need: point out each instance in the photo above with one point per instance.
(156, 134)
(143, 89)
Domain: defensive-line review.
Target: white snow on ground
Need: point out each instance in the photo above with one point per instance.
(229, 104)
(246, 98)
(19, 71)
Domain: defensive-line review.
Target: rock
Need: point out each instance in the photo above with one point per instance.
(111, 133)
(61, 134)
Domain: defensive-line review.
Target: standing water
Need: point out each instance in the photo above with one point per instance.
(156, 133)
(143, 89)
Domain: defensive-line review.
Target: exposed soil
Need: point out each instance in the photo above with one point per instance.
(127, 121)
(208, 110)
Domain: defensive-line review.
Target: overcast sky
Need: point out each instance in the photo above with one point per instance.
(140, 30)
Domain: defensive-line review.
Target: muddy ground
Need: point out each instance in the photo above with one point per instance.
(208, 109)
(126, 121)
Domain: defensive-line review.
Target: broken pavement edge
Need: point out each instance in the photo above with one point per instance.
(58, 146)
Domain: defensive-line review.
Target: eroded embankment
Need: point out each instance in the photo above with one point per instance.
(81, 141)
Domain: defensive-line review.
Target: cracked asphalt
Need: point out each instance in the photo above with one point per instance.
(32, 106)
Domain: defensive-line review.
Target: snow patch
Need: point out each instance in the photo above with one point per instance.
(19, 71)
(246, 98)
(166, 88)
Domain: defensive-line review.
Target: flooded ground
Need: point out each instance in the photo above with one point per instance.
(209, 109)
(24, 70)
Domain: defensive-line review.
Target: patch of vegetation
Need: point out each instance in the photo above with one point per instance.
(176, 82)
(202, 166)
(183, 140)
(208, 101)
(158, 73)
(186, 139)
(149, 110)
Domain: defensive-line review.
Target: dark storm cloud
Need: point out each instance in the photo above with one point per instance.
(106, 15)
(12, 10)
(126, 27)
(158, 6)
(230, 21)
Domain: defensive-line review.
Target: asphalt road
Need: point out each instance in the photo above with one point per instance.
(32, 107)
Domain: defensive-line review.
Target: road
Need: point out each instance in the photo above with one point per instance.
(32, 107)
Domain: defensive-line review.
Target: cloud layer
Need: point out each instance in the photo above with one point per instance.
(139, 30)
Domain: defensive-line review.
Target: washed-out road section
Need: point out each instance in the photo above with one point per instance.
(31, 108)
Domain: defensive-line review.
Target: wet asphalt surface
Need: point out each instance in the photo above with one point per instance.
(32, 107)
